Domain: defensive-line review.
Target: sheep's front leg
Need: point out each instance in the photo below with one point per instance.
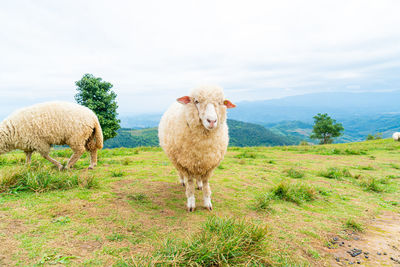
(78, 151)
(28, 157)
(55, 162)
(207, 195)
(191, 201)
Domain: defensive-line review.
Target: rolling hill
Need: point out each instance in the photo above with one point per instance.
(241, 134)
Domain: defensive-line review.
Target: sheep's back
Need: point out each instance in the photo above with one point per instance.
(52, 122)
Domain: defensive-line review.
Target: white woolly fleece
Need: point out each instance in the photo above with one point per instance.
(37, 127)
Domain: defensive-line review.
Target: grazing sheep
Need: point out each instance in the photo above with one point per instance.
(396, 136)
(194, 135)
(37, 127)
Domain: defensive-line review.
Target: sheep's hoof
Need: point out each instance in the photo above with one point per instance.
(207, 203)
(90, 168)
(199, 188)
(183, 184)
(191, 209)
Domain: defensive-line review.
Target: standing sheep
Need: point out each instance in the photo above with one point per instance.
(194, 135)
(396, 136)
(37, 127)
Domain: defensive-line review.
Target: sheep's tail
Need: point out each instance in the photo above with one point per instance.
(98, 134)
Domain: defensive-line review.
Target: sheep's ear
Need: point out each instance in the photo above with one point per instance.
(184, 100)
(229, 104)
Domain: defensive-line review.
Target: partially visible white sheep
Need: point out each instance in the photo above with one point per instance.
(396, 136)
(37, 127)
(194, 135)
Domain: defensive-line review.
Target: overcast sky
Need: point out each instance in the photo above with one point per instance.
(155, 51)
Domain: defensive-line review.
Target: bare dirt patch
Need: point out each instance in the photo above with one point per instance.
(379, 245)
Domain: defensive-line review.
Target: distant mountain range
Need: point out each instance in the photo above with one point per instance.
(292, 117)
(241, 134)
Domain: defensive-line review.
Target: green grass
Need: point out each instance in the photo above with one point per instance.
(293, 192)
(219, 242)
(295, 173)
(353, 225)
(335, 173)
(40, 178)
(130, 210)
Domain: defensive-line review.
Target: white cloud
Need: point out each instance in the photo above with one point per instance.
(153, 51)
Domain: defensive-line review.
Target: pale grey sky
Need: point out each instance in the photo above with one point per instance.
(155, 51)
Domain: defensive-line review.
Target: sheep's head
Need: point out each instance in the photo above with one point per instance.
(206, 106)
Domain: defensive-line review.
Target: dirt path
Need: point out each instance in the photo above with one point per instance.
(379, 245)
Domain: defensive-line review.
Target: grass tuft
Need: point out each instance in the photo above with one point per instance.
(353, 225)
(335, 173)
(40, 178)
(248, 155)
(294, 173)
(117, 173)
(220, 242)
(294, 192)
(374, 184)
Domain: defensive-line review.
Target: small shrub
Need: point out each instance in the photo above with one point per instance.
(304, 143)
(353, 225)
(293, 173)
(376, 136)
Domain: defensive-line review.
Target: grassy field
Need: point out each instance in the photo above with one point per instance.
(275, 206)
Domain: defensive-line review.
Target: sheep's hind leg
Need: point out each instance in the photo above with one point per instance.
(182, 179)
(199, 184)
(93, 159)
(191, 200)
(78, 151)
(55, 162)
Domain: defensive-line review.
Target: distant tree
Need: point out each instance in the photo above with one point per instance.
(325, 128)
(374, 137)
(98, 96)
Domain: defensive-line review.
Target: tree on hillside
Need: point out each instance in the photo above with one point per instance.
(97, 95)
(325, 128)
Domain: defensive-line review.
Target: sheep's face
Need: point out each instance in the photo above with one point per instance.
(207, 107)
